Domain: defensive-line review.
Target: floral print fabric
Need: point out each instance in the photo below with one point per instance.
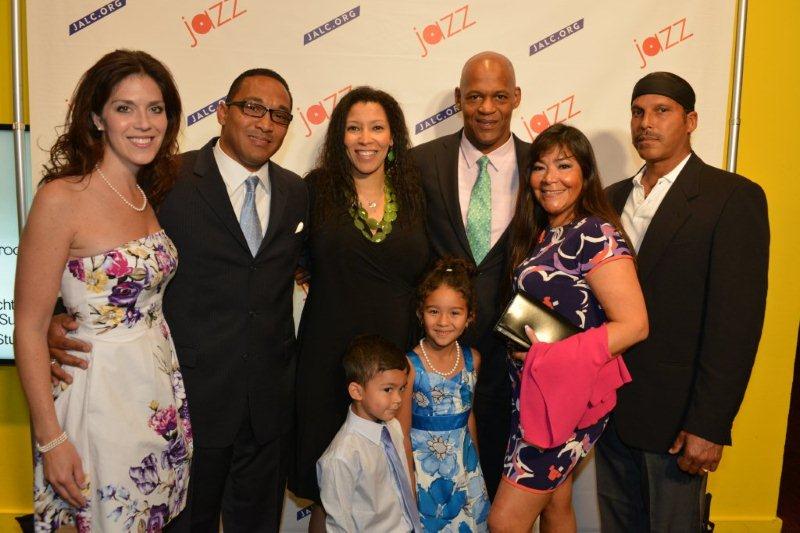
(555, 273)
(126, 414)
(451, 492)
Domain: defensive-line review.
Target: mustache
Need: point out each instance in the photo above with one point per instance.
(647, 137)
(260, 135)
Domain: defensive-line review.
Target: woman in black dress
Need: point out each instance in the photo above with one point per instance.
(367, 249)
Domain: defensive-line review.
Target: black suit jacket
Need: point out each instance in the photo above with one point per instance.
(703, 269)
(437, 161)
(231, 313)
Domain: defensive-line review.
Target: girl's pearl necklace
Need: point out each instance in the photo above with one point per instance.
(128, 203)
(430, 365)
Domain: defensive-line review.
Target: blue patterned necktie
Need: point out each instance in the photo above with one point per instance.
(479, 212)
(401, 479)
(251, 225)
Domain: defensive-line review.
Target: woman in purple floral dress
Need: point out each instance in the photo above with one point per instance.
(570, 254)
(113, 447)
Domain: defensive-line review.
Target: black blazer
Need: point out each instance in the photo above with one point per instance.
(230, 313)
(437, 161)
(703, 269)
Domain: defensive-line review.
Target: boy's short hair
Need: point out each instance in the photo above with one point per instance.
(369, 355)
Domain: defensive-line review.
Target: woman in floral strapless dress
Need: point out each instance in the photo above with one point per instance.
(114, 446)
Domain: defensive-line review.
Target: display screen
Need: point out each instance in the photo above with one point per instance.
(9, 238)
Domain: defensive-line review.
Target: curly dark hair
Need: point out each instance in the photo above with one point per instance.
(81, 146)
(333, 179)
(454, 272)
(529, 217)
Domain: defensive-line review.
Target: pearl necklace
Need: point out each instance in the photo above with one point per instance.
(430, 365)
(128, 203)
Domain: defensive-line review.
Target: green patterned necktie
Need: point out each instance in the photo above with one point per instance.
(479, 212)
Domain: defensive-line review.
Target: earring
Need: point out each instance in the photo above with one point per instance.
(390, 155)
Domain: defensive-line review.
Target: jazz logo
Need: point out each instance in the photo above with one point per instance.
(454, 22)
(664, 39)
(560, 111)
(316, 113)
(203, 22)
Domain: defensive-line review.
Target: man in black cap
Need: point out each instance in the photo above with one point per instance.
(702, 239)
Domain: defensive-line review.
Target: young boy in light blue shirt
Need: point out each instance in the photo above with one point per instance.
(363, 475)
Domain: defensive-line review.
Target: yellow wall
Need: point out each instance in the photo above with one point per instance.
(16, 476)
(746, 486)
(6, 109)
(16, 484)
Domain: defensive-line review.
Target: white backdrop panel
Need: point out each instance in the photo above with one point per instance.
(575, 61)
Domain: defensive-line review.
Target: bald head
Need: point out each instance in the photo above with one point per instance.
(488, 61)
(487, 95)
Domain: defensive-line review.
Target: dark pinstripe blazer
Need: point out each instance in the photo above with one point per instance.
(231, 313)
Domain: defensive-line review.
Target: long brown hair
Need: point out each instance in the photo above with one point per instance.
(77, 150)
(332, 177)
(530, 218)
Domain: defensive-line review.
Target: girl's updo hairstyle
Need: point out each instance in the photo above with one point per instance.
(454, 272)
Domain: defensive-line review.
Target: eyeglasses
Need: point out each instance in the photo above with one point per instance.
(256, 110)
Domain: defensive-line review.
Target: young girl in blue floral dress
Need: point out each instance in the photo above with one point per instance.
(436, 413)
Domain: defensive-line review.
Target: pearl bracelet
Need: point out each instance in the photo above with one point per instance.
(61, 439)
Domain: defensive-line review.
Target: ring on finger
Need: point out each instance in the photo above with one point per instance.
(704, 470)
(53, 361)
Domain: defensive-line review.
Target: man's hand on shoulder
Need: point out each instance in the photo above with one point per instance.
(697, 455)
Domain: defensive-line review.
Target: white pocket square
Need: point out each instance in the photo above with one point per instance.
(299, 227)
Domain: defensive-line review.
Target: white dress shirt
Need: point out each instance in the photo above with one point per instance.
(504, 173)
(640, 209)
(356, 485)
(234, 175)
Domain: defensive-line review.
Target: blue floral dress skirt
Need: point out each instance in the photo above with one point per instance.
(126, 414)
(451, 492)
(555, 273)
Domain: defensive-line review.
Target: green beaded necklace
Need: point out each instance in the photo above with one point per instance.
(367, 225)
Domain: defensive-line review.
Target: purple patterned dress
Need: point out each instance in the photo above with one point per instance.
(126, 414)
(555, 273)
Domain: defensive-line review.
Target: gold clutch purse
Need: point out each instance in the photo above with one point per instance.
(522, 310)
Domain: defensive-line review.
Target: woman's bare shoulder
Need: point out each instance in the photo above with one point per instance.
(62, 190)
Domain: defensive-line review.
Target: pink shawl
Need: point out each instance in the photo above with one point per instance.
(567, 385)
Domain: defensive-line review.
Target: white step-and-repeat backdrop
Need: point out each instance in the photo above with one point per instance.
(575, 61)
